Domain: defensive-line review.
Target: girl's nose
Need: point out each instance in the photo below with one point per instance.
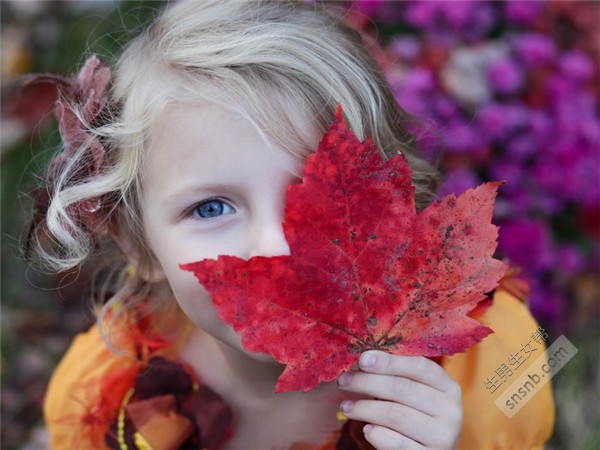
(267, 239)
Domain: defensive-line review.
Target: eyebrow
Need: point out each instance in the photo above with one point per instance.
(182, 193)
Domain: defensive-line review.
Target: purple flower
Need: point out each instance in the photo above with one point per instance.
(458, 181)
(547, 306)
(526, 243)
(590, 131)
(462, 137)
(505, 76)
(522, 147)
(554, 178)
(419, 79)
(520, 202)
(577, 65)
(587, 175)
(379, 10)
(413, 90)
(570, 260)
(500, 120)
(540, 125)
(484, 19)
(446, 22)
(421, 15)
(523, 12)
(558, 89)
(408, 48)
(547, 203)
(534, 49)
(507, 170)
(457, 15)
(444, 107)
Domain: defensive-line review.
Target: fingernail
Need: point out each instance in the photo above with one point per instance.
(367, 360)
(344, 379)
(346, 406)
(367, 429)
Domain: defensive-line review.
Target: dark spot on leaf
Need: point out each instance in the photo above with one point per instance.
(335, 241)
(390, 341)
(372, 321)
(373, 236)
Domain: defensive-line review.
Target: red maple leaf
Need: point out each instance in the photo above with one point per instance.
(365, 271)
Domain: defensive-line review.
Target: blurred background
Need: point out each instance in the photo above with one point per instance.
(503, 90)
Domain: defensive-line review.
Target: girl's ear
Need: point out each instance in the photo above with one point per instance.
(146, 266)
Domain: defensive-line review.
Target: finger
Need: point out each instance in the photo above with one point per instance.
(385, 439)
(398, 389)
(417, 368)
(397, 417)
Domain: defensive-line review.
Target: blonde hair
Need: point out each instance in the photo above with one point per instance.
(273, 58)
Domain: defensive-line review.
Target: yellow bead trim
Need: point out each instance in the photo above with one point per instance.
(121, 420)
(141, 443)
(340, 416)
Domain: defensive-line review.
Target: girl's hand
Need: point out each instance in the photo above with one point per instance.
(417, 404)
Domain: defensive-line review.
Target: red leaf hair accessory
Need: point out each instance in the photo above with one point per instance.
(78, 107)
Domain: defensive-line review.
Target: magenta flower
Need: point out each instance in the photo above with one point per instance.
(523, 12)
(548, 306)
(460, 137)
(534, 49)
(458, 181)
(570, 260)
(522, 147)
(577, 66)
(505, 76)
(408, 48)
(509, 171)
(526, 243)
(500, 120)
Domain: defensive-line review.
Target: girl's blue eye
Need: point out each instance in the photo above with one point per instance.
(213, 208)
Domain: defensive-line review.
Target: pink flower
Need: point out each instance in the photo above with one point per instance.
(505, 76)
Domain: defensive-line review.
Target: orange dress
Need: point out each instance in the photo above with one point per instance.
(89, 388)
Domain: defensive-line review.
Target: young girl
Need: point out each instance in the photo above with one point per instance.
(185, 154)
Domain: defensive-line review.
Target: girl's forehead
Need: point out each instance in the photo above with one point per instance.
(195, 132)
(297, 132)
